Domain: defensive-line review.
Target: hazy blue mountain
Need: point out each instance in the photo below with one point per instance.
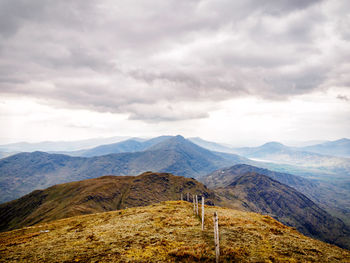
(263, 150)
(259, 193)
(119, 147)
(58, 146)
(213, 146)
(293, 160)
(25, 172)
(130, 145)
(339, 148)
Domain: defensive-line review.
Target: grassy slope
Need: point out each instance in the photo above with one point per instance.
(164, 232)
(106, 193)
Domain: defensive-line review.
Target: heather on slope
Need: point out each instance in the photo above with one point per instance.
(164, 232)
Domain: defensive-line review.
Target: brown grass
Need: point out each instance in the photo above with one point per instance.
(164, 232)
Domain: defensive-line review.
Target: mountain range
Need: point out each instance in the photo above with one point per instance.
(59, 145)
(25, 172)
(310, 204)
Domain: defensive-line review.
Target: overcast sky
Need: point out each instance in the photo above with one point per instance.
(241, 72)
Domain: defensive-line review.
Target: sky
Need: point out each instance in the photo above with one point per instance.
(239, 72)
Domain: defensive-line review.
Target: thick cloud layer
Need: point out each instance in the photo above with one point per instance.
(171, 60)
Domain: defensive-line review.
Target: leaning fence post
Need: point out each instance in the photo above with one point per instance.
(202, 212)
(197, 205)
(216, 237)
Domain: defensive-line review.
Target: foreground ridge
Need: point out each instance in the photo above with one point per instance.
(164, 232)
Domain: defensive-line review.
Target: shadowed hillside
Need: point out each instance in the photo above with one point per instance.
(106, 193)
(333, 199)
(259, 193)
(164, 232)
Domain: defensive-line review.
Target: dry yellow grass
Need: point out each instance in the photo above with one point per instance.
(164, 232)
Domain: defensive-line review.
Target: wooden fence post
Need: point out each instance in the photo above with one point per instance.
(202, 213)
(197, 205)
(188, 197)
(216, 237)
(194, 204)
(181, 197)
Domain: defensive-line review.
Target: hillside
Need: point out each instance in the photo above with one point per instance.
(110, 193)
(225, 176)
(164, 232)
(102, 194)
(259, 193)
(25, 172)
(334, 200)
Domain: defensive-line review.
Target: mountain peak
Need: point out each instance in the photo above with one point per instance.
(179, 137)
(273, 144)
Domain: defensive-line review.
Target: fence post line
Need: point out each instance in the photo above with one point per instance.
(216, 237)
(202, 213)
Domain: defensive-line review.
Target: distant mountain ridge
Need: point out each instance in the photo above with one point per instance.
(340, 148)
(130, 145)
(297, 161)
(25, 172)
(59, 145)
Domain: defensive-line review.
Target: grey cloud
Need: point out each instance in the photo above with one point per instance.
(149, 59)
(343, 97)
